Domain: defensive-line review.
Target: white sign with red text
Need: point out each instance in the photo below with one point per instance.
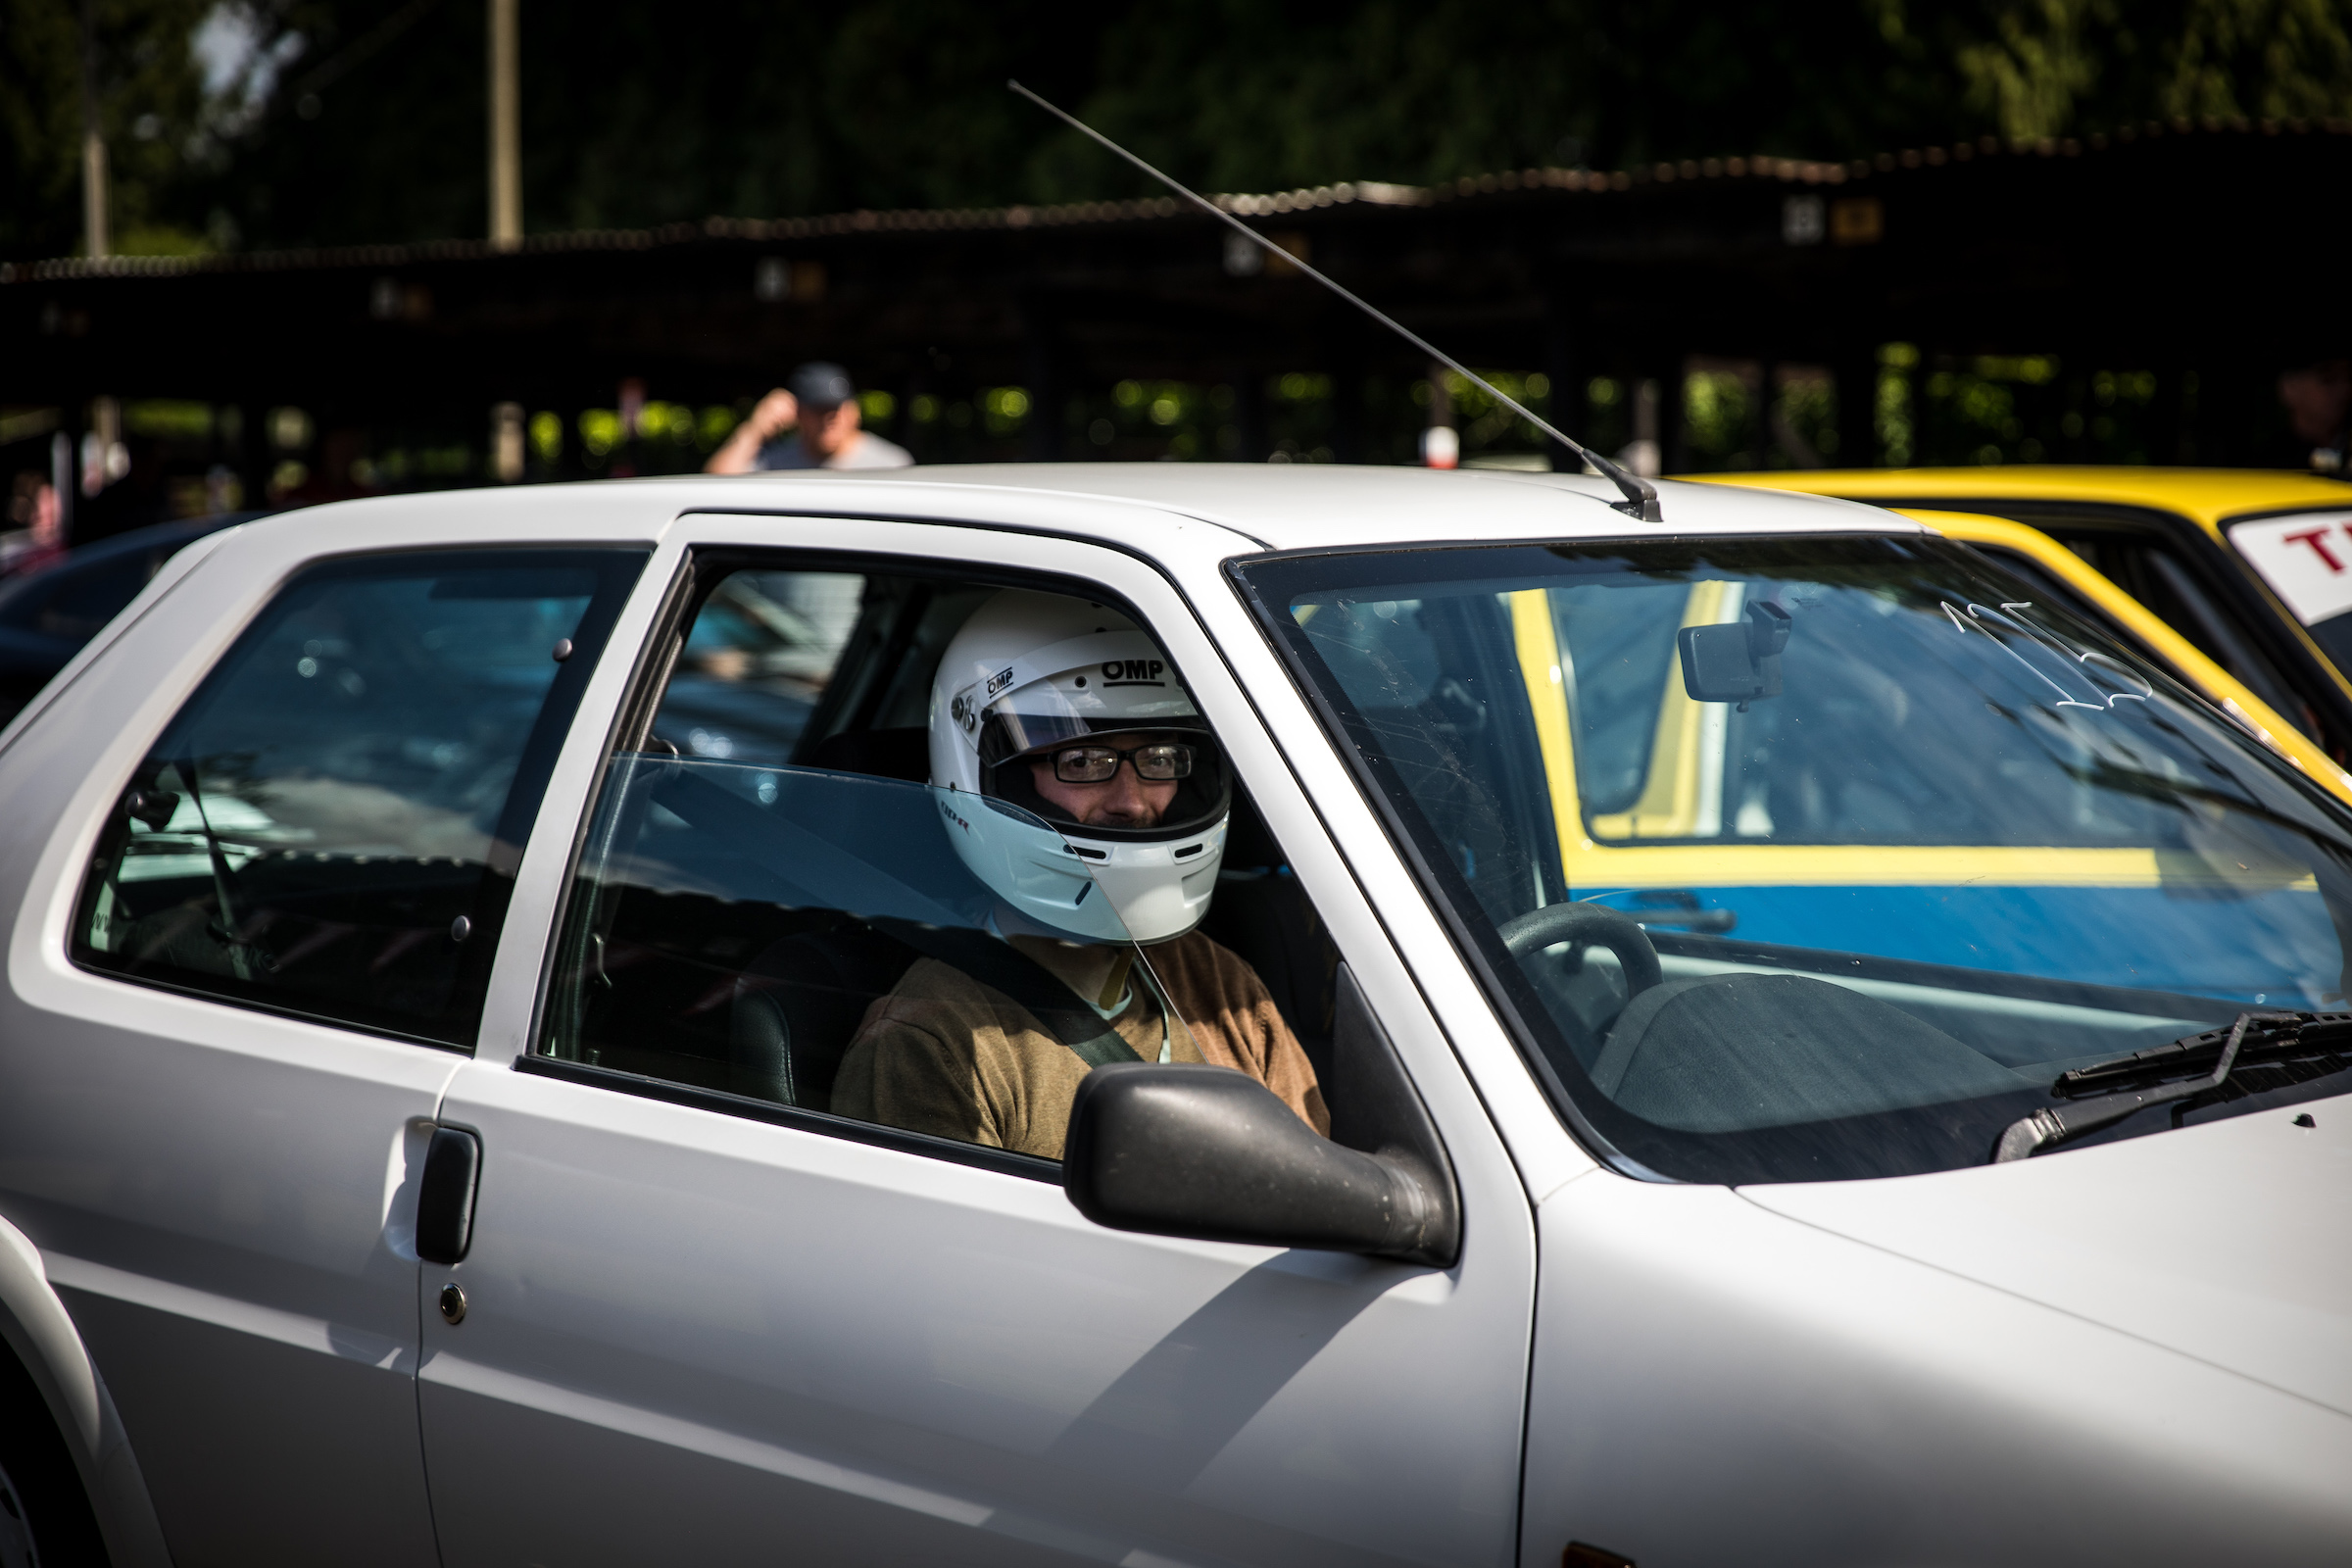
(2306, 558)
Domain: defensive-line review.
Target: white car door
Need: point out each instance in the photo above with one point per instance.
(253, 953)
(703, 1319)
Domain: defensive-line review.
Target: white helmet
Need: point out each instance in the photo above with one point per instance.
(1033, 670)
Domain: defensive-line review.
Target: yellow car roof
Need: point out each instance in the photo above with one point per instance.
(2209, 495)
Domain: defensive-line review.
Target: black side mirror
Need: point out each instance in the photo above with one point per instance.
(1735, 664)
(1207, 1152)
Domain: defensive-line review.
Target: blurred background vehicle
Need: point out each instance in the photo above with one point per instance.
(46, 614)
(2253, 568)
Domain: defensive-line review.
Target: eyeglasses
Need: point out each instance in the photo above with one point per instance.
(1100, 764)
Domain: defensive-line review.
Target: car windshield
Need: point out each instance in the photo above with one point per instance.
(1818, 858)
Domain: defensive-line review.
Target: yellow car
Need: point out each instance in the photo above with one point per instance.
(2253, 568)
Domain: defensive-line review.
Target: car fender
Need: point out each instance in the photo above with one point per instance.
(39, 1330)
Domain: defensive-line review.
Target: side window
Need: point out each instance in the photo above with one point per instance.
(330, 826)
(2304, 558)
(794, 899)
(758, 656)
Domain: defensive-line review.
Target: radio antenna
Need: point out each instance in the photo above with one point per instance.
(1641, 496)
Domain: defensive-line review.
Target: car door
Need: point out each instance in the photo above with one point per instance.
(254, 953)
(704, 1317)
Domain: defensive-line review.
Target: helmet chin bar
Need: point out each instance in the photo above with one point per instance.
(1159, 878)
(1158, 896)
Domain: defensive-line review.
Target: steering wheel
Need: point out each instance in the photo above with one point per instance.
(1555, 923)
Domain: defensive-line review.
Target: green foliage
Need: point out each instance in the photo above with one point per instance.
(363, 119)
(152, 110)
(2045, 67)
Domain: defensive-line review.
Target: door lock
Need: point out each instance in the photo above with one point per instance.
(453, 1303)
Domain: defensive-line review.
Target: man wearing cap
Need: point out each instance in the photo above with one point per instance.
(819, 399)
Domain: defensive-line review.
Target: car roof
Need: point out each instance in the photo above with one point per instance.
(2207, 496)
(1316, 505)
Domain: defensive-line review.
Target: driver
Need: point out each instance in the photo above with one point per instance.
(1070, 712)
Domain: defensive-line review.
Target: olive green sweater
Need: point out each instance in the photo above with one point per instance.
(944, 1055)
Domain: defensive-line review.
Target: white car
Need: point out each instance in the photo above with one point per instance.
(1829, 1062)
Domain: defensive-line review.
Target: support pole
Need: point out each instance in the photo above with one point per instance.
(1250, 412)
(1564, 364)
(1857, 382)
(95, 240)
(1048, 402)
(1441, 443)
(1348, 440)
(505, 125)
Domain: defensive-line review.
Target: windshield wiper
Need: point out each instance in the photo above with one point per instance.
(2270, 1034)
(2273, 1034)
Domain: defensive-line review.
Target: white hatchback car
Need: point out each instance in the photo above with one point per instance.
(438, 925)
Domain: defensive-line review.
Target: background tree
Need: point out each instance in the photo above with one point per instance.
(160, 127)
(275, 122)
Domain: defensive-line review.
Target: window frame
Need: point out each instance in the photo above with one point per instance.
(701, 567)
(1528, 1024)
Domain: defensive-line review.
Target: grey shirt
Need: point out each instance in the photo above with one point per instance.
(868, 451)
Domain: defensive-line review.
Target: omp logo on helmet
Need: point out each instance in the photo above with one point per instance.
(999, 680)
(1133, 672)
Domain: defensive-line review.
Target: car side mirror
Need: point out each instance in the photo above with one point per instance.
(1211, 1154)
(1735, 664)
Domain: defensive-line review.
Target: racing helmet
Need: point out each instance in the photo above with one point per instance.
(1030, 673)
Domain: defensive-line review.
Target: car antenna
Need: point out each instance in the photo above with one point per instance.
(1641, 496)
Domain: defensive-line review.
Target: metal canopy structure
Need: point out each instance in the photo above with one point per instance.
(2208, 254)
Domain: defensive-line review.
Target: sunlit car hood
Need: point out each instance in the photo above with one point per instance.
(2224, 1242)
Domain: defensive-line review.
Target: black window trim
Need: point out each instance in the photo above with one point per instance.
(721, 1102)
(2274, 513)
(275, 1009)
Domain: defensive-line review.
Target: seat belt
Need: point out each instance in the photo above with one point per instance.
(1025, 983)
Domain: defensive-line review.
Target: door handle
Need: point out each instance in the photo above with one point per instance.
(453, 1167)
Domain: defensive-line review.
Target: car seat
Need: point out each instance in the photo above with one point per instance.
(798, 1005)
(901, 754)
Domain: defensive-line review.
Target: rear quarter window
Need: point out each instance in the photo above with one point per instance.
(331, 824)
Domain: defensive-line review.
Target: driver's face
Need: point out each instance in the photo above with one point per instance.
(1123, 800)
